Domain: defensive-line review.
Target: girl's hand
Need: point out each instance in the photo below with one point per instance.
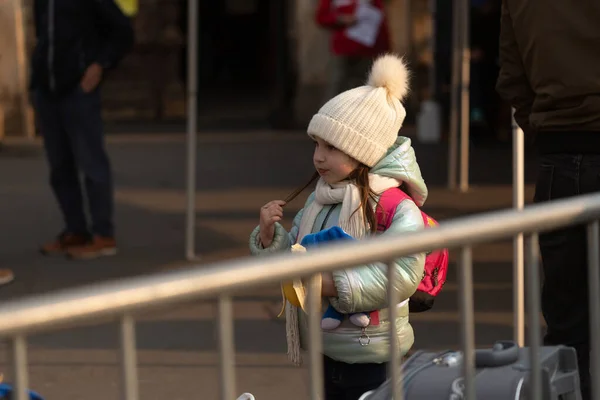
(269, 214)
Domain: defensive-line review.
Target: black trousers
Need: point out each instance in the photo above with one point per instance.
(564, 257)
(350, 381)
(74, 143)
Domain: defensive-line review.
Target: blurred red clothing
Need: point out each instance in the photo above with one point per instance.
(327, 15)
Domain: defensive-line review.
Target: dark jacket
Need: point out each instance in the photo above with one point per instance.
(71, 35)
(550, 71)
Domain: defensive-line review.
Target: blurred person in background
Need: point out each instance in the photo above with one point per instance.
(351, 59)
(77, 41)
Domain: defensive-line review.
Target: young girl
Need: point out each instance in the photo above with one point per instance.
(358, 155)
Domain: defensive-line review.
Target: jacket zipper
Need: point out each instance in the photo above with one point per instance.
(51, 45)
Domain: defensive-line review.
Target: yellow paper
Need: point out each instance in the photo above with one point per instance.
(129, 7)
(292, 290)
(295, 291)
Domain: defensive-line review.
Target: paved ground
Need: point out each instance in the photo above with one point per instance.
(237, 172)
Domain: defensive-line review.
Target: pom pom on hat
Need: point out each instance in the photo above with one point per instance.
(364, 122)
(390, 72)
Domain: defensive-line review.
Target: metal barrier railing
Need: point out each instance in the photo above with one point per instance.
(123, 297)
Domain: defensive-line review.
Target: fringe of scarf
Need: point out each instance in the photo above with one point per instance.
(292, 330)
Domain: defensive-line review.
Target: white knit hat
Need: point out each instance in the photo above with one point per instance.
(364, 122)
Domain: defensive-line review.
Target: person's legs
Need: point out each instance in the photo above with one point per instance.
(350, 381)
(64, 178)
(338, 76)
(355, 392)
(331, 378)
(83, 123)
(564, 257)
(358, 71)
(346, 73)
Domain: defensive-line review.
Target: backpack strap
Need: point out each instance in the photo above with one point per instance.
(386, 207)
(385, 211)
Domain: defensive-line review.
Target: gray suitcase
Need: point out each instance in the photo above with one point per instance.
(502, 373)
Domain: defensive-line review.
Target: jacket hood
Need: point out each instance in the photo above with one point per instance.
(400, 162)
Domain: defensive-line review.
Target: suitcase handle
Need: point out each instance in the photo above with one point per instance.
(502, 353)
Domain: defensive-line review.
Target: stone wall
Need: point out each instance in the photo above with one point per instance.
(9, 77)
(12, 76)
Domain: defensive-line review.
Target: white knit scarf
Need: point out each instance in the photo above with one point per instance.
(351, 220)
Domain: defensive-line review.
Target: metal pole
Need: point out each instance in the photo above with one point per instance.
(227, 347)
(192, 129)
(593, 237)
(533, 311)
(20, 367)
(518, 241)
(315, 340)
(129, 358)
(454, 104)
(464, 98)
(393, 300)
(467, 320)
(21, 47)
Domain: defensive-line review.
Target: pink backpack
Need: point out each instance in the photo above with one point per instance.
(436, 262)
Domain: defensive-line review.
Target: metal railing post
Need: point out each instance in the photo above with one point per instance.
(226, 347)
(518, 241)
(20, 367)
(593, 238)
(192, 130)
(467, 321)
(533, 311)
(395, 361)
(315, 341)
(465, 82)
(129, 358)
(454, 96)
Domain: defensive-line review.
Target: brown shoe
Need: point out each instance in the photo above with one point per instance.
(6, 276)
(63, 243)
(97, 247)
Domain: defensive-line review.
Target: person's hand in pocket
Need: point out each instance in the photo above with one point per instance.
(91, 78)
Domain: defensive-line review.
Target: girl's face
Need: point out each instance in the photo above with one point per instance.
(332, 164)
